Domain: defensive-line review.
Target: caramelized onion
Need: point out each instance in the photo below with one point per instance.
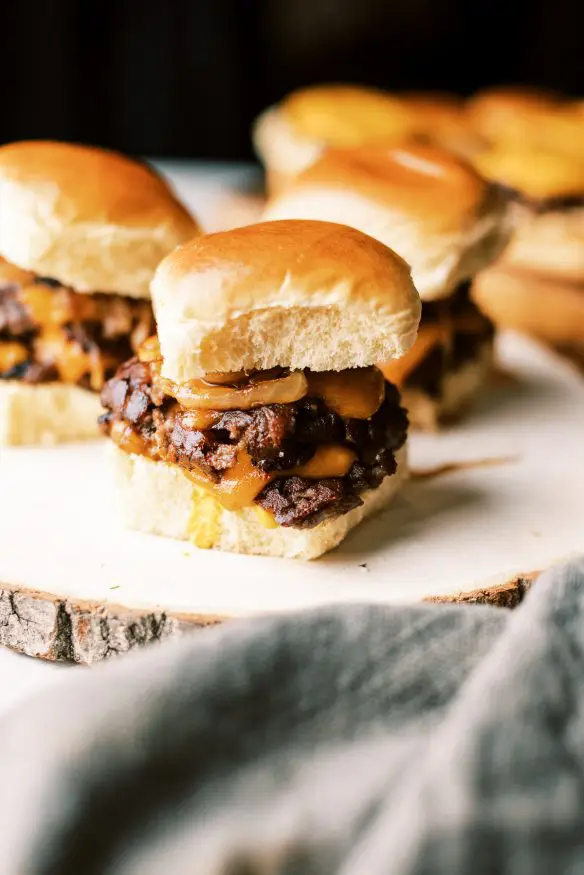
(228, 378)
(201, 394)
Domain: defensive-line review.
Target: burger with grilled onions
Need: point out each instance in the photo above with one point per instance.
(259, 423)
(439, 215)
(81, 233)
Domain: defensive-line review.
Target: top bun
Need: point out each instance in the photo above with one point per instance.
(507, 112)
(429, 206)
(290, 136)
(95, 220)
(539, 175)
(292, 294)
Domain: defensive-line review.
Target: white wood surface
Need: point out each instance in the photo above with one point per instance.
(480, 525)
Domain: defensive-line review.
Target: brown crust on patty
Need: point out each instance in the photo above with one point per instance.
(276, 438)
(67, 337)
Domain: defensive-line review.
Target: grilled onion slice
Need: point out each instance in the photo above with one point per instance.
(197, 394)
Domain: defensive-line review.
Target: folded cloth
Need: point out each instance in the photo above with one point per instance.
(361, 739)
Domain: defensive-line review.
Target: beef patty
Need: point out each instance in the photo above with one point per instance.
(277, 437)
(468, 330)
(50, 333)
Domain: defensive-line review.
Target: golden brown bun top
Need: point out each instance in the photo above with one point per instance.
(537, 174)
(434, 107)
(93, 219)
(426, 182)
(505, 113)
(287, 260)
(97, 184)
(296, 294)
(346, 115)
(428, 205)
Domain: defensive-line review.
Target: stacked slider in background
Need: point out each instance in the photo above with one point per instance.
(259, 424)
(81, 233)
(538, 285)
(436, 212)
(290, 136)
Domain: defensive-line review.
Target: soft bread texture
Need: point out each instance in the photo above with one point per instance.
(290, 136)
(46, 414)
(292, 294)
(541, 306)
(94, 220)
(432, 208)
(459, 389)
(158, 498)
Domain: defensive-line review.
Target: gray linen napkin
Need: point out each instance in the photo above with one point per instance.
(361, 739)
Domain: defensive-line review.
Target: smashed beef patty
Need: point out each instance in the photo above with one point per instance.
(277, 437)
(61, 335)
(458, 347)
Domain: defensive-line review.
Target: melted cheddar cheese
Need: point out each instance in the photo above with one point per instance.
(397, 370)
(329, 460)
(11, 354)
(243, 482)
(70, 359)
(353, 394)
(204, 522)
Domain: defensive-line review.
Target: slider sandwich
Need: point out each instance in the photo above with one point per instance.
(259, 423)
(290, 136)
(538, 284)
(81, 233)
(436, 212)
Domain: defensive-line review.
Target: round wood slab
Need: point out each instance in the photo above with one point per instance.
(494, 497)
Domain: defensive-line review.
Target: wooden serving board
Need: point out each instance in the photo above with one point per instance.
(500, 494)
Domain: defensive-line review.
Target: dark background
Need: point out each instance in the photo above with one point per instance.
(186, 77)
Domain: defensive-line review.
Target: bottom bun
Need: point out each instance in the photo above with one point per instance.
(552, 310)
(46, 413)
(458, 390)
(158, 498)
